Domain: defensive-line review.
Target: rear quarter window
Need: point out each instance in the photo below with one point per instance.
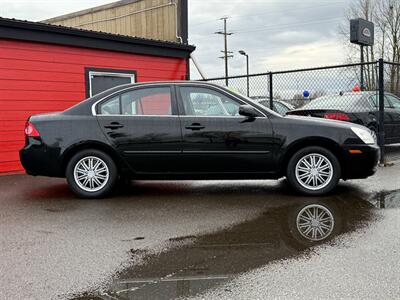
(110, 107)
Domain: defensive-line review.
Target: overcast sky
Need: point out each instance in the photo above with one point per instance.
(277, 34)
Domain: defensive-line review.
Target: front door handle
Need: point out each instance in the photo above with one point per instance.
(195, 126)
(114, 125)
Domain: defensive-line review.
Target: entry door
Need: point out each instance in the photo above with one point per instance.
(217, 139)
(143, 125)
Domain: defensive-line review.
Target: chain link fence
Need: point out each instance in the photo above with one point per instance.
(365, 94)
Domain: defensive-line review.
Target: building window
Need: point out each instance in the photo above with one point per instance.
(99, 80)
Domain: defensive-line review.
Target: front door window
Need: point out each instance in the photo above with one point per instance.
(199, 101)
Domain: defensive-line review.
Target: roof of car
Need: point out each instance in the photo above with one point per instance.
(109, 92)
(149, 83)
(85, 106)
(361, 93)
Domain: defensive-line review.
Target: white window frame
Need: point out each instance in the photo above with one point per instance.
(92, 74)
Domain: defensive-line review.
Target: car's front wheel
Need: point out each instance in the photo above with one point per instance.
(91, 174)
(313, 171)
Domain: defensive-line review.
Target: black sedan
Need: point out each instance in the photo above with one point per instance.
(360, 108)
(191, 130)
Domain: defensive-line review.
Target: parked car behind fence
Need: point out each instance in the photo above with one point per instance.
(360, 108)
(299, 87)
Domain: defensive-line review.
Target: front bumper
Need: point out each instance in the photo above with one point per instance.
(360, 161)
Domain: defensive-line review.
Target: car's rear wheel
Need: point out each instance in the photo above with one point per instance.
(313, 171)
(91, 174)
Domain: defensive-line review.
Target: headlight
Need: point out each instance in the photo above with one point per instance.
(364, 134)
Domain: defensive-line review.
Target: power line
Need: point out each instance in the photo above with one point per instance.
(267, 13)
(285, 11)
(280, 26)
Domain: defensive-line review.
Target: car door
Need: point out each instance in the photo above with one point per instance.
(143, 125)
(216, 139)
(394, 111)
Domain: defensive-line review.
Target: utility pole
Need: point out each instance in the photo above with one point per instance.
(227, 54)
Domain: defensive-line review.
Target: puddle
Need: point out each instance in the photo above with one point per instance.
(386, 200)
(212, 259)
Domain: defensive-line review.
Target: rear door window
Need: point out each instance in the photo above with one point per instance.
(147, 102)
(140, 102)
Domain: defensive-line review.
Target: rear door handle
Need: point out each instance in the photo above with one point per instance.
(195, 126)
(114, 125)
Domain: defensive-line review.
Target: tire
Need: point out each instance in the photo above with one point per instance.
(85, 182)
(323, 179)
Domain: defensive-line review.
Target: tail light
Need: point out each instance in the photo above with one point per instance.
(337, 116)
(30, 130)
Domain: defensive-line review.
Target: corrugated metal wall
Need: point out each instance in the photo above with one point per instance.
(155, 19)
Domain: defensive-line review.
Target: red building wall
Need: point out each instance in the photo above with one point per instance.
(37, 78)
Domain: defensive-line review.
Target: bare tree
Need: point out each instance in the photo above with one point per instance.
(386, 16)
(317, 94)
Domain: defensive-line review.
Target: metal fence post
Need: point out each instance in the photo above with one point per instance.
(362, 84)
(381, 129)
(271, 92)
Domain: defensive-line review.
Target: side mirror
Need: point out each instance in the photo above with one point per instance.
(248, 111)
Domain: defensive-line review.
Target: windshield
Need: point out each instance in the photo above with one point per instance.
(337, 102)
(254, 103)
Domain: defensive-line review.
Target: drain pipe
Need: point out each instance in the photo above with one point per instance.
(178, 37)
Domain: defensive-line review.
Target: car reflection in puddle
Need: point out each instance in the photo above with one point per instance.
(209, 260)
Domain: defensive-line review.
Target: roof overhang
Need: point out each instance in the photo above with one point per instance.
(61, 35)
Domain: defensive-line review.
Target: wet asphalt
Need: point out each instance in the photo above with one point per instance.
(167, 240)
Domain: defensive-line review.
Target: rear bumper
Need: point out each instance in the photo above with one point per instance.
(38, 160)
(360, 165)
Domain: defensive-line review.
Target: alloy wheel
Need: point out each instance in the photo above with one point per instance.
(314, 171)
(315, 222)
(91, 174)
